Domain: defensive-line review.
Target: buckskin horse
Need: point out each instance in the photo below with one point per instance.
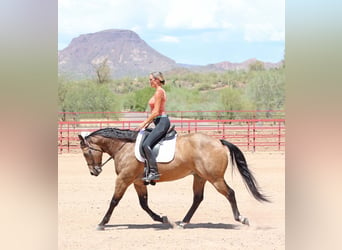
(197, 154)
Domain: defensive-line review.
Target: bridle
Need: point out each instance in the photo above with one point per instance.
(98, 150)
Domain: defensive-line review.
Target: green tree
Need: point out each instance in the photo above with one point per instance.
(181, 99)
(88, 97)
(231, 99)
(141, 98)
(266, 90)
(256, 66)
(62, 91)
(102, 70)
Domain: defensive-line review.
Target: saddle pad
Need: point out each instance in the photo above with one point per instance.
(166, 150)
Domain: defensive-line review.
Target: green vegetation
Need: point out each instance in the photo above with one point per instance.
(87, 96)
(255, 89)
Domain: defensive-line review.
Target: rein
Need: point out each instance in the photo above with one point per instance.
(106, 161)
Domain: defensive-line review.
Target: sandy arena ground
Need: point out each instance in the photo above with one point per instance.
(84, 199)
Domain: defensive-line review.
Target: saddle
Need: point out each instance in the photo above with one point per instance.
(164, 150)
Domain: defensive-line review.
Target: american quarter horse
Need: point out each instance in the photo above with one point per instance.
(197, 154)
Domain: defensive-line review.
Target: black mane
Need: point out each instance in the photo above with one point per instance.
(122, 134)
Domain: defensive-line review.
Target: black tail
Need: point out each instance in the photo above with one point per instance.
(238, 158)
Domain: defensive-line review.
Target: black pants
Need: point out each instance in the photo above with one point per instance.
(162, 125)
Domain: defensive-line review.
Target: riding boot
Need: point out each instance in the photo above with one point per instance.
(152, 165)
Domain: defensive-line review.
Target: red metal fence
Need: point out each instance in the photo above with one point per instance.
(249, 130)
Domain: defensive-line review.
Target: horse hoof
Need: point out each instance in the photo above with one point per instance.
(182, 225)
(245, 221)
(100, 228)
(165, 220)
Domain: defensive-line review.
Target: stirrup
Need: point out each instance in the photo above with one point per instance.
(151, 177)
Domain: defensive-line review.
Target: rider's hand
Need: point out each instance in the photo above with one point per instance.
(141, 126)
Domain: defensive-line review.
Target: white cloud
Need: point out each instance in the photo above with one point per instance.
(86, 16)
(278, 36)
(169, 39)
(192, 14)
(258, 20)
(262, 32)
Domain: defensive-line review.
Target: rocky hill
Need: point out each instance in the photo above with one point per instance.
(227, 66)
(244, 65)
(127, 55)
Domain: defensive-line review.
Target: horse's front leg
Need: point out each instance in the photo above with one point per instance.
(120, 188)
(143, 200)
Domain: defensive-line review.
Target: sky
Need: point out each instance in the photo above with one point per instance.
(197, 32)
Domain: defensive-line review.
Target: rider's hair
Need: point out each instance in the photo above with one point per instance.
(159, 76)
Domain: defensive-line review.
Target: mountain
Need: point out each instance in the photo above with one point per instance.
(227, 66)
(244, 65)
(126, 53)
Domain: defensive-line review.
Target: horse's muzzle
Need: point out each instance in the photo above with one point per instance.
(96, 170)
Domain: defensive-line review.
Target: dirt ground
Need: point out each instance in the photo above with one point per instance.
(83, 200)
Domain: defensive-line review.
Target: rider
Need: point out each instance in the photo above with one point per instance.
(160, 120)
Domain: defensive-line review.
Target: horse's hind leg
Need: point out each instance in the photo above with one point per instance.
(120, 188)
(229, 193)
(142, 194)
(198, 189)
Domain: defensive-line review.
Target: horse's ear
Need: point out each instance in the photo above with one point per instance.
(81, 140)
(80, 137)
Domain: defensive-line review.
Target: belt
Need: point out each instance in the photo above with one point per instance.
(160, 116)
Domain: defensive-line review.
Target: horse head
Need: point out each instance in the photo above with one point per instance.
(93, 155)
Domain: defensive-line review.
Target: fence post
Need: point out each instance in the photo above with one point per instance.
(248, 136)
(68, 137)
(181, 119)
(254, 135)
(74, 117)
(61, 137)
(279, 131)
